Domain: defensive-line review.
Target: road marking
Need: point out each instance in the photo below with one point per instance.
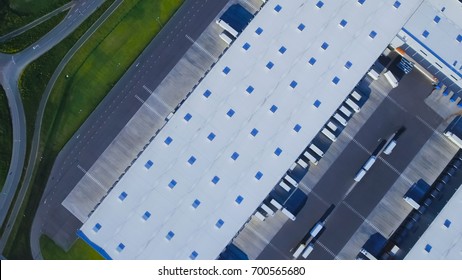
(200, 47)
(310, 191)
(357, 143)
(267, 241)
(327, 249)
(90, 176)
(149, 107)
(395, 170)
(157, 98)
(363, 218)
(429, 126)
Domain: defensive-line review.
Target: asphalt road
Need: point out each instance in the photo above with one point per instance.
(353, 202)
(11, 67)
(112, 114)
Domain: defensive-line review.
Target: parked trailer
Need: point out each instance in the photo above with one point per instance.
(291, 181)
(260, 216)
(356, 95)
(391, 79)
(329, 134)
(345, 111)
(311, 158)
(267, 209)
(286, 187)
(340, 119)
(316, 150)
(299, 250)
(227, 38)
(389, 148)
(352, 104)
(308, 250)
(317, 229)
(288, 214)
(373, 74)
(369, 163)
(332, 126)
(276, 204)
(302, 163)
(227, 27)
(360, 175)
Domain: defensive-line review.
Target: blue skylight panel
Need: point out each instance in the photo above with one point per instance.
(230, 113)
(278, 151)
(324, 46)
(207, 93)
(239, 199)
(436, 19)
(148, 164)
(187, 117)
(348, 64)
(168, 140)
(254, 132)
(317, 103)
(336, 80)
(120, 247)
(459, 38)
(278, 8)
(249, 89)
(191, 160)
(301, 27)
(193, 255)
(274, 108)
(170, 235)
(234, 156)
(196, 203)
(282, 49)
(226, 70)
(269, 65)
(447, 223)
(123, 196)
(219, 223)
(172, 184)
(97, 227)
(246, 46)
(259, 31)
(397, 4)
(428, 248)
(215, 180)
(372, 34)
(293, 84)
(258, 175)
(146, 215)
(343, 23)
(297, 128)
(361, 2)
(425, 34)
(211, 136)
(319, 4)
(312, 61)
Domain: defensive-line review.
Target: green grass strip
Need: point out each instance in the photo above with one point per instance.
(79, 251)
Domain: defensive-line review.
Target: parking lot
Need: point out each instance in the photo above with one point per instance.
(353, 202)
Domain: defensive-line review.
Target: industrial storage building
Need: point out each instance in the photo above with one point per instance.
(243, 126)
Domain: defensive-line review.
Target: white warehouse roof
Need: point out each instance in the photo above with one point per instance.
(437, 26)
(443, 238)
(195, 196)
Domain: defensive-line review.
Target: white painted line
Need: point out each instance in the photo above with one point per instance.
(327, 250)
(395, 170)
(310, 191)
(363, 218)
(357, 143)
(149, 107)
(157, 98)
(200, 47)
(91, 177)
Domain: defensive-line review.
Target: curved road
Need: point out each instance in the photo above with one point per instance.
(36, 22)
(11, 67)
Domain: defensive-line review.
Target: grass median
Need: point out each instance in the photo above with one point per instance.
(31, 36)
(79, 251)
(17, 13)
(6, 138)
